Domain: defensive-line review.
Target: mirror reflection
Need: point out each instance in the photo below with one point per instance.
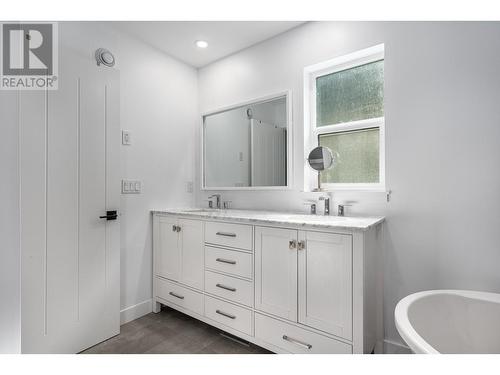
(320, 158)
(246, 146)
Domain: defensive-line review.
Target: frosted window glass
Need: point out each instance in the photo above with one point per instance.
(350, 95)
(356, 154)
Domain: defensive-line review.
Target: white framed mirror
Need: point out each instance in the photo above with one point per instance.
(248, 146)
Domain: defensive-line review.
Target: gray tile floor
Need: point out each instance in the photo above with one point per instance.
(171, 332)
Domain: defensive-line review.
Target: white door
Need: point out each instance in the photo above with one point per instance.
(192, 252)
(167, 249)
(69, 170)
(325, 282)
(276, 271)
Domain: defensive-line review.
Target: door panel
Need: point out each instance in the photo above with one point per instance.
(33, 192)
(92, 197)
(69, 141)
(276, 272)
(63, 198)
(192, 253)
(325, 282)
(167, 248)
(110, 322)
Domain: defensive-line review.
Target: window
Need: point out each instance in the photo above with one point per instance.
(357, 159)
(344, 111)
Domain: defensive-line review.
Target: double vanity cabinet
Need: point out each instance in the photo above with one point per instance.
(288, 283)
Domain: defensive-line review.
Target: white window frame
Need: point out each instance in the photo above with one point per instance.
(311, 132)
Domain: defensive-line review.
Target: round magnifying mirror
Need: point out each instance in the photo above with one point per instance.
(320, 158)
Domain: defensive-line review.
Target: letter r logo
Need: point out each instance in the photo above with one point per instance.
(27, 49)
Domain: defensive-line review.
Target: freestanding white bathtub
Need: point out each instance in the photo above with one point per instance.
(450, 321)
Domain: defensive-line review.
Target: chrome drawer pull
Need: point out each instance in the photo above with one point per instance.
(226, 234)
(225, 314)
(176, 295)
(225, 287)
(222, 260)
(297, 342)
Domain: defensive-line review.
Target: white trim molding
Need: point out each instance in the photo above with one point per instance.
(136, 311)
(311, 132)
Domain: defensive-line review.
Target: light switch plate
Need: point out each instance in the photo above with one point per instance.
(189, 186)
(126, 138)
(131, 187)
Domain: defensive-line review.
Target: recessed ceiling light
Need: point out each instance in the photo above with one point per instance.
(201, 44)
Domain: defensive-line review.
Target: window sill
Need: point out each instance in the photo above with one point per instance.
(367, 189)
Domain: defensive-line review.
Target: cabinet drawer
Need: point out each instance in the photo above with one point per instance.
(179, 295)
(232, 235)
(228, 287)
(294, 339)
(229, 261)
(228, 314)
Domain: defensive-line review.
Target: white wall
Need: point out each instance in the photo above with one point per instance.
(158, 104)
(442, 142)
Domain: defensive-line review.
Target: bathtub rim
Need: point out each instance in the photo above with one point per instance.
(416, 342)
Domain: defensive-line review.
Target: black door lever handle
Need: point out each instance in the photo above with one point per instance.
(110, 215)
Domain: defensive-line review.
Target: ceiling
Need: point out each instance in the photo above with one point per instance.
(177, 38)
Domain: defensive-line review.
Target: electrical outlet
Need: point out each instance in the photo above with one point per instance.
(189, 186)
(131, 187)
(126, 138)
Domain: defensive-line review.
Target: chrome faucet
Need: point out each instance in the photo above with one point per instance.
(327, 204)
(341, 209)
(217, 201)
(312, 207)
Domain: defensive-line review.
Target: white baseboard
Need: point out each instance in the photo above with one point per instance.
(136, 311)
(393, 347)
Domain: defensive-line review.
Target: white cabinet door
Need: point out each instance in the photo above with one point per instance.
(192, 252)
(325, 282)
(168, 256)
(276, 272)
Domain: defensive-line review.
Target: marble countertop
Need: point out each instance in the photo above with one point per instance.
(281, 218)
